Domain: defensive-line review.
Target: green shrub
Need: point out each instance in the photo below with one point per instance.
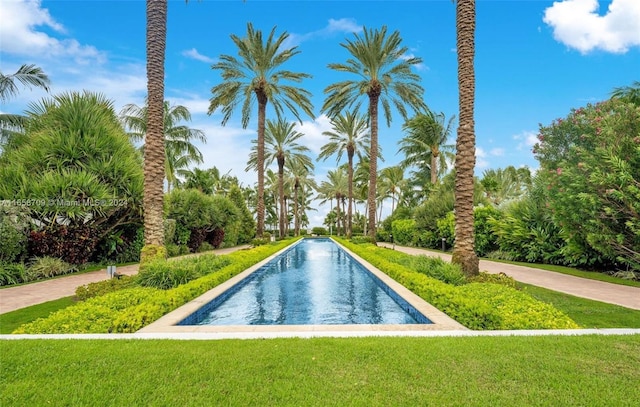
(152, 252)
(12, 273)
(439, 269)
(485, 239)
(130, 309)
(205, 247)
(169, 274)
(173, 250)
(84, 292)
(404, 231)
(169, 230)
(361, 239)
(259, 242)
(320, 231)
(47, 267)
(499, 278)
(14, 225)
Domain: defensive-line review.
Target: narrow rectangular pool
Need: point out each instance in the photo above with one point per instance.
(315, 282)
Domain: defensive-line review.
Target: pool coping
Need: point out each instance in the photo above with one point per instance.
(168, 323)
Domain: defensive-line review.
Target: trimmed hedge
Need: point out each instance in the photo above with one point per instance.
(131, 309)
(480, 306)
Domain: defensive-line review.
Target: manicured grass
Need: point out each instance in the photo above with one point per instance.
(587, 313)
(592, 275)
(482, 371)
(12, 320)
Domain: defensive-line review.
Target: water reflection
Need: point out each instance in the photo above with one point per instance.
(314, 283)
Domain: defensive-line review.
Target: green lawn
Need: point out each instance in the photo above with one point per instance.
(587, 313)
(482, 371)
(12, 320)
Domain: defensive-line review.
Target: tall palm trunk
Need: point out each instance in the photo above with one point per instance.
(262, 108)
(374, 96)
(350, 153)
(154, 156)
(296, 214)
(283, 212)
(338, 215)
(434, 167)
(463, 251)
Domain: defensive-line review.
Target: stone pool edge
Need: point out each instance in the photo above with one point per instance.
(168, 323)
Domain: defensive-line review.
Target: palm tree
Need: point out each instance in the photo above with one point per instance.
(349, 133)
(629, 93)
(463, 251)
(386, 77)
(425, 142)
(335, 187)
(258, 72)
(29, 76)
(154, 168)
(281, 145)
(303, 184)
(180, 153)
(392, 183)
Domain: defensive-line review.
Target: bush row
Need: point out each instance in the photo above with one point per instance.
(130, 309)
(480, 306)
(38, 269)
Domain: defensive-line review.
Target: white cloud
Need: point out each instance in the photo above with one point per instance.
(312, 131)
(419, 67)
(481, 161)
(578, 24)
(526, 139)
(498, 152)
(194, 54)
(20, 36)
(342, 25)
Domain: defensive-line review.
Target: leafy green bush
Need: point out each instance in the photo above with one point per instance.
(173, 250)
(47, 267)
(499, 278)
(404, 231)
(259, 242)
(205, 247)
(14, 225)
(439, 269)
(12, 273)
(320, 231)
(84, 292)
(361, 239)
(130, 309)
(485, 238)
(165, 275)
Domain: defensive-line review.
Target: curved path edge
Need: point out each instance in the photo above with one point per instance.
(622, 295)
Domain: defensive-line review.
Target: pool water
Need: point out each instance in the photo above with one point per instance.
(313, 283)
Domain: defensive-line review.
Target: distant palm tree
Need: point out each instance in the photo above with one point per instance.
(302, 184)
(392, 183)
(629, 93)
(463, 251)
(154, 155)
(281, 146)
(349, 134)
(335, 187)
(385, 75)
(258, 72)
(425, 143)
(180, 152)
(29, 76)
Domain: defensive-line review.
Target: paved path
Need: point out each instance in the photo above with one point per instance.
(580, 287)
(13, 298)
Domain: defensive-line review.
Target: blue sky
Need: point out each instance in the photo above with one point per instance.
(535, 60)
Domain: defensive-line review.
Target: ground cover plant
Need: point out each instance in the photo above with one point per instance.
(129, 308)
(474, 371)
(476, 305)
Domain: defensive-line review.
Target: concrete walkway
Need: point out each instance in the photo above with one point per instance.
(13, 298)
(622, 295)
